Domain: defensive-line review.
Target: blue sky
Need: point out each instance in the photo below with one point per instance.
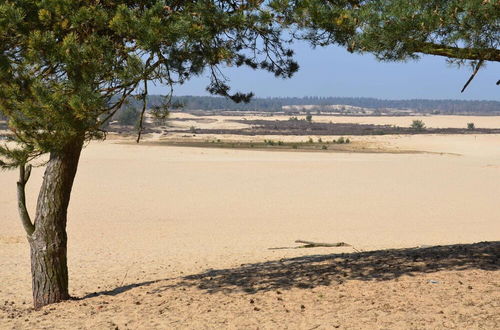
(332, 71)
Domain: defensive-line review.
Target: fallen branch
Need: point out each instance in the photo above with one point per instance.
(309, 244)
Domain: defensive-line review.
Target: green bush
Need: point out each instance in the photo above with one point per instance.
(471, 126)
(418, 125)
(128, 116)
(309, 117)
(341, 140)
(310, 140)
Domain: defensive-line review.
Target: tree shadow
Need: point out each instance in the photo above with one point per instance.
(118, 290)
(322, 270)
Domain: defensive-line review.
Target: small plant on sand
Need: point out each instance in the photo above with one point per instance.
(310, 140)
(320, 140)
(471, 126)
(324, 147)
(418, 125)
(192, 129)
(340, 140)
(293, 118)
(281, 143)
(347, 140)
(128, 116)
(309, 117)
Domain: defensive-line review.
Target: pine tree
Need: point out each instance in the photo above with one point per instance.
(66, 66)
(462, 31)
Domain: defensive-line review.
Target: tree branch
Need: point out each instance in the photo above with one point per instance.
(481, 54)
(476, 69)
(24, 175)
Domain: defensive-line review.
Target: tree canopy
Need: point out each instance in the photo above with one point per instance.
(400, 30)
(67, 65)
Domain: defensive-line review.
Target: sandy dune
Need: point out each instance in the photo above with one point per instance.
(144, 217)
(436, 121)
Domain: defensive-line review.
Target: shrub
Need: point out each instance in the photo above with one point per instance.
(418, 125)
(192, 129)
(323, 147)
(310, 140)
(471, 126)
(294, 146)
(128, 116)
(347, 140)
(320, 140)
(309, 117)
(340, 140)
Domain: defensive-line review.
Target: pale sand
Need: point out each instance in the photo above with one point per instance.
(153, 213)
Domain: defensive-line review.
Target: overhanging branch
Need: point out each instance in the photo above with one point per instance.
(479, 54)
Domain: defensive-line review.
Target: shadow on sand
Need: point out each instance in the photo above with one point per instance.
(321, 270)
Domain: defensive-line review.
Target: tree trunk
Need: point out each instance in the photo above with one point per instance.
(48, 243)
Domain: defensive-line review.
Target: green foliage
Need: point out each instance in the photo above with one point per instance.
(309, 117)
(310, 140)
(417, 125)
(471, 126)
(400, 29)
(67, 66)
(342, 140)
(128, 116)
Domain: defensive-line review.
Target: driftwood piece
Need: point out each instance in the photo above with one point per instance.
(309, 244)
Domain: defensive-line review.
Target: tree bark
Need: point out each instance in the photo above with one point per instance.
(48, 243)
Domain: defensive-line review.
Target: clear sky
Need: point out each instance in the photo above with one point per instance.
(332, 71)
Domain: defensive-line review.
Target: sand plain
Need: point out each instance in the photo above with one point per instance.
(172, 237)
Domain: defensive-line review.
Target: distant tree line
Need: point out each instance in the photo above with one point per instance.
(272, 104)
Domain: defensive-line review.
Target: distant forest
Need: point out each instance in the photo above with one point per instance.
(276, 103)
